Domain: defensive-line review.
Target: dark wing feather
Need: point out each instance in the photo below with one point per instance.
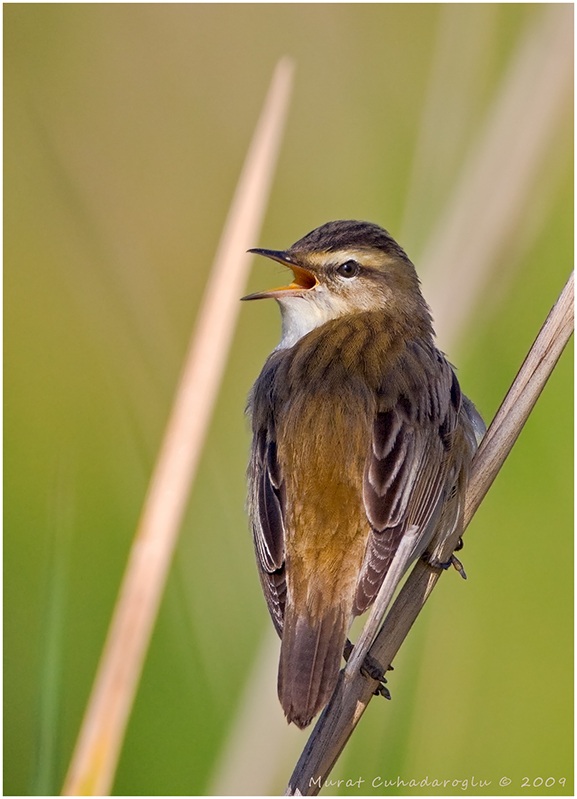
(408, 474)
(266, 507)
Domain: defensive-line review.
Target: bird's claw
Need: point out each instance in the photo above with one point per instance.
(453, 561)
(456, 563)
(382, 690)
(372, 669)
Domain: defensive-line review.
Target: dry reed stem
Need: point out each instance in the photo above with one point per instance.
(350, 698)
(521, 398)
(98, 747)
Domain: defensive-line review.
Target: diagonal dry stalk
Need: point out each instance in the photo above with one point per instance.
(99, 743)
(350, 698)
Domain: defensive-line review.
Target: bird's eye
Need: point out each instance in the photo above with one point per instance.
(348, 269)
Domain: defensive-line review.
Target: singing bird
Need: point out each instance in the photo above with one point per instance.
(362, 442)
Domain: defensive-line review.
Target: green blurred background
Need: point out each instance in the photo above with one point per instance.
(125, 131)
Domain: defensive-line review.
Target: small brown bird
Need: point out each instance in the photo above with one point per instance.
(362, 442)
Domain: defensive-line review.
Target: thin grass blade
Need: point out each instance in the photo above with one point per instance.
(98, 747)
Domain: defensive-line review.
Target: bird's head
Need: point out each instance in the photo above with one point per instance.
(343, 268)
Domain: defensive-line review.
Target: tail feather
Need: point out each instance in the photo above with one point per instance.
(311, 652)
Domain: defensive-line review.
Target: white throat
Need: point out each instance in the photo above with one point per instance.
(301, 314)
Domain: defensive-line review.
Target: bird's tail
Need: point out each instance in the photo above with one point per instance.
(311, 652)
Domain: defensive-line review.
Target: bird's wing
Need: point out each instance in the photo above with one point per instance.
(266, 506)
(410, 470)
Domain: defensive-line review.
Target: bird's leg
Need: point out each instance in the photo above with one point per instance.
(371, 668)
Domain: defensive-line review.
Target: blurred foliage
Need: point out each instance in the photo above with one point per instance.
(125, 130)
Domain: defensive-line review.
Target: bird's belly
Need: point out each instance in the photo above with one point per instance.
(326, 528)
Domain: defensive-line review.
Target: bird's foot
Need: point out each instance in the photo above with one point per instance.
(453, 561)
(371, 668)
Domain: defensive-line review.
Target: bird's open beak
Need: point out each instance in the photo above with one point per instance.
(303, 279)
